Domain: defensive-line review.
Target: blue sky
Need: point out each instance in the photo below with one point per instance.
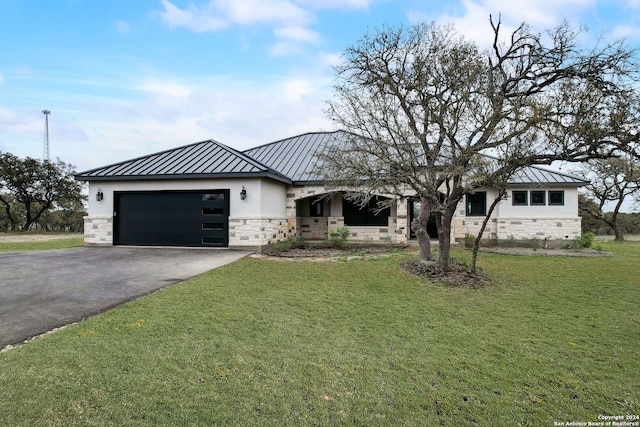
(124, 78)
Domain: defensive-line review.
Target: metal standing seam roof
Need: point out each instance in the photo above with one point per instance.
(205, 159)
(536, 176)
(296, 157)
(292, 160)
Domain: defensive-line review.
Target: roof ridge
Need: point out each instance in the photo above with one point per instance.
(293, 137)
(152, 155)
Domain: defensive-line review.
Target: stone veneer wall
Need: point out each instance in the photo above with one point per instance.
(98, 230)
(257, 232)
(313, 228)
(521, 228)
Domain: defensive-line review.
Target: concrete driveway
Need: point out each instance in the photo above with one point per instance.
(42, 290)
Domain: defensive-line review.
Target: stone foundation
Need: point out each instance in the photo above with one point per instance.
(553, 229)
(98, 230)
(257, 233)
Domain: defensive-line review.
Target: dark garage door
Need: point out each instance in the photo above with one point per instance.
(172, 218)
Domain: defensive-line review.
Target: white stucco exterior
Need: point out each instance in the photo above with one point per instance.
(253, 222)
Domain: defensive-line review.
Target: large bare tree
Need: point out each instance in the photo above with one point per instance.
(422, 103)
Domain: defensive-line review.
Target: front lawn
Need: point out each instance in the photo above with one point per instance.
(362, 342)
(41, 245)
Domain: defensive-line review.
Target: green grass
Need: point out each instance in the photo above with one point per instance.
(361, 343)
(41, 245)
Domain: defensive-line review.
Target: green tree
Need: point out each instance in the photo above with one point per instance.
(29, 188)
(613, 180)
(423, 103)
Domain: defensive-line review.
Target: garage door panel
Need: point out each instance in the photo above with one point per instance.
(171, 218)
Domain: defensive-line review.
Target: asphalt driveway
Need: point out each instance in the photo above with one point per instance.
(42, 290)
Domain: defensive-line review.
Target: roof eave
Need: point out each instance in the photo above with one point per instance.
(269, 175)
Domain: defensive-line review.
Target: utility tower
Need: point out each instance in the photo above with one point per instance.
(45, 152)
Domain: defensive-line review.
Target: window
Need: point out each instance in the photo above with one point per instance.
(519, 198)
(316, 206)
(212, 211)
(212, 226)
(209, 197)
(355, 215)
(477, 204)
(556, 198)
(538, 198)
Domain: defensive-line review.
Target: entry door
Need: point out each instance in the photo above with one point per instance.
(172, 218)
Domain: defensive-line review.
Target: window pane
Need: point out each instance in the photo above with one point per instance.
(212, 240)
(213, 226)
(537, 197)
(519, 197)
(214, 196)
(316, 206)
(212, 211)
(477, 204)
(556, 197)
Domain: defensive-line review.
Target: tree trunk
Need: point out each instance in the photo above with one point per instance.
(419, 226)
(476, 242)
(619, 233)
(614, 223)
(444, 240)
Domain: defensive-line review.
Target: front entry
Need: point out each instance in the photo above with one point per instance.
(172, 218)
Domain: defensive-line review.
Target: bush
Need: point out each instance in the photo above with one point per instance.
(583, 241)
(469, 240)
(586, 240)
(338, 238)
(534, 243)
(292, 242)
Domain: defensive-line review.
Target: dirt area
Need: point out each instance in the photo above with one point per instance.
(36, 237)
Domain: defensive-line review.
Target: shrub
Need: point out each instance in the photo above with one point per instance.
(469, 240)
(534, 243)
(583, 241)
(338, 238)
(291, 242)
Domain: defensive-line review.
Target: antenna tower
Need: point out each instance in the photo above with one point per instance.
(45, 152)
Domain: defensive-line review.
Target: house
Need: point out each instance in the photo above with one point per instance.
(208, 194)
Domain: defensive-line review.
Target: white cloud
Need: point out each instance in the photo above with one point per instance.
(219, 14)
(331, 59)
(258, 11)
(338, 4)
(169, 113)
(194, 18)
(123, 26)
(165, 87)
(627, 32)
(471, 19)
(297, 33)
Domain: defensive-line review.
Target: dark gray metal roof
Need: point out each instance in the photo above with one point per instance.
(203, 159)
(537, 176)
(295, 157)
(290, 160)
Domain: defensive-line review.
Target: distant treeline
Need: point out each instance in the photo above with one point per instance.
(630, 223)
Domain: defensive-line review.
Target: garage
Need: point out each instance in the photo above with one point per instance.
(172, 218)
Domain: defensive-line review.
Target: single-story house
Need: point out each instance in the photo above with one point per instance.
(208, 194)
